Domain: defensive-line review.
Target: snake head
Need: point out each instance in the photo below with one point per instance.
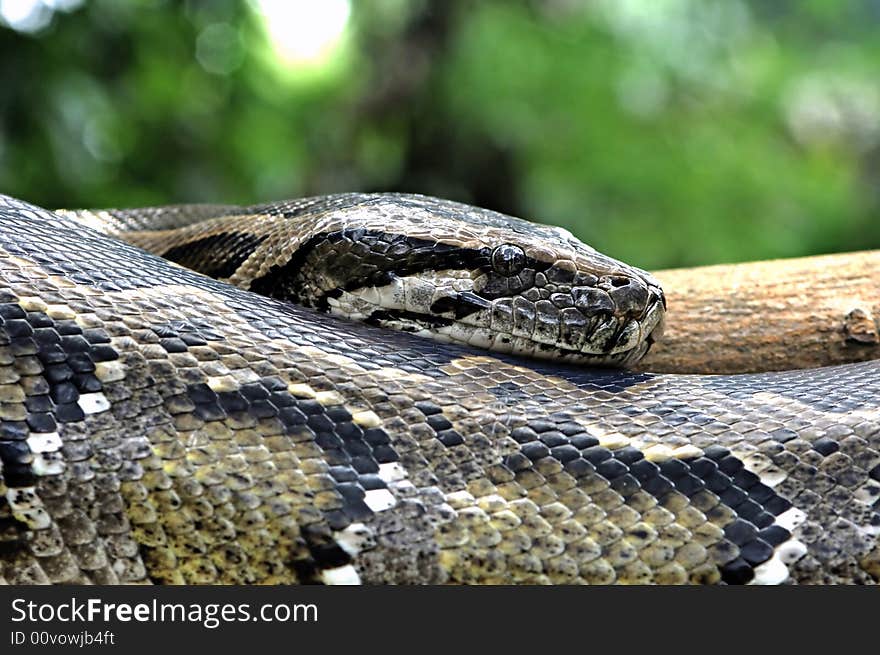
(460, 274)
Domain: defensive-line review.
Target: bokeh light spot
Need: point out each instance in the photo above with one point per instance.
(25, 15)
(219, 49)
(30, 16)
(303, 32)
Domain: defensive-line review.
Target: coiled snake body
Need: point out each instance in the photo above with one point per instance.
(157, 425)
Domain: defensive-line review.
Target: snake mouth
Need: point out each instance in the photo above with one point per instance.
(597, 338)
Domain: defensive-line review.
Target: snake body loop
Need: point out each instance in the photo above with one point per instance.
(157, 425)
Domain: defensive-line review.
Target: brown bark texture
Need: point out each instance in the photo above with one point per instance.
(769, 316)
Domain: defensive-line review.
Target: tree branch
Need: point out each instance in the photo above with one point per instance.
(767, 316)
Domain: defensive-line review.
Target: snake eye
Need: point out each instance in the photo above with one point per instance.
(508, 259)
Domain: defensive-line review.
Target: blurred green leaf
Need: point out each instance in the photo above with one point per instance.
(665, 133)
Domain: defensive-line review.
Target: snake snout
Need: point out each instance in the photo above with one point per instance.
(629, 294)
(618, 295)
(617, 317)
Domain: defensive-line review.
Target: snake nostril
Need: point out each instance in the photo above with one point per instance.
(630, 298)
(609, 282)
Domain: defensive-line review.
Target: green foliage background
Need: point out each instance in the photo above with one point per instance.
(665, 133)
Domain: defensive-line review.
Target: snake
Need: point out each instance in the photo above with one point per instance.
(395, 389)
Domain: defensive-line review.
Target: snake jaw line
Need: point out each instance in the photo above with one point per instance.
(448, 306)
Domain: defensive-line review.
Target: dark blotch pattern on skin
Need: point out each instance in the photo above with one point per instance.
(366, 259)
(201, 255)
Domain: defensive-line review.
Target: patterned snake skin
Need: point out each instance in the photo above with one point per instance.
(160, 426)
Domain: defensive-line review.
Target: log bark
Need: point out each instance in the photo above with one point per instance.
(771, 315)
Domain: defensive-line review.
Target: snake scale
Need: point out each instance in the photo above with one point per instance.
(157, 425)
